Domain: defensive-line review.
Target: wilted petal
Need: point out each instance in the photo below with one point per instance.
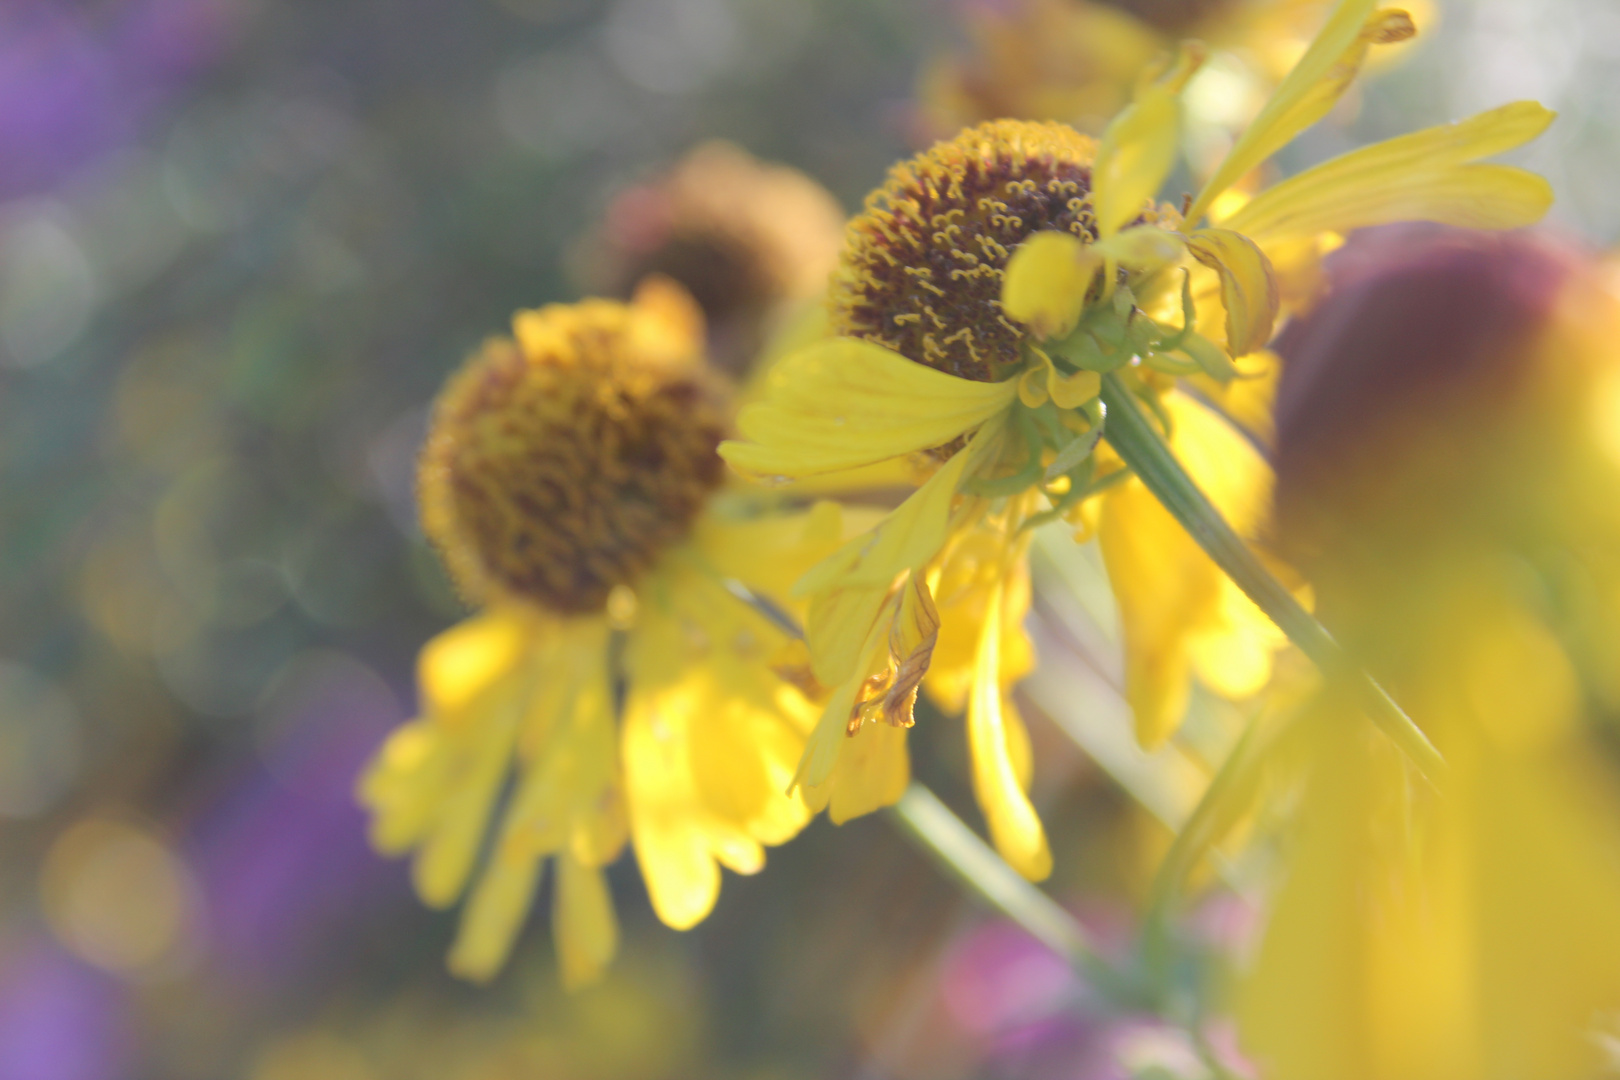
(1248, 286)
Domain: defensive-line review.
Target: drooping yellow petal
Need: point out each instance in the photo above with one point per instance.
(867, 648)
(848, 589)
(1308, 92)
(583, 925)
(566, 796)
(1014, 826)
(446, 856)
(844, 403)
(1020, 752)
(909, 536)
(837, 629)
(676, 856)
(990, 557)
(1139, 147)
(826, 742)
(494, 914)
(873, 770)
(1248, 286)
(1423, 176)
(710, 740)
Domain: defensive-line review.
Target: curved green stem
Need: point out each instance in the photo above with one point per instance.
(1140, 447)
(959, 851)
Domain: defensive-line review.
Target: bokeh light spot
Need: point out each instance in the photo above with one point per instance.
(118, 897)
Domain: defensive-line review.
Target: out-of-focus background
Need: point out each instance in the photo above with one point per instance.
(241, 244)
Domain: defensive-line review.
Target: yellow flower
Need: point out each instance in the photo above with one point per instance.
(984, 292)
(1448, 475)
(570, 483)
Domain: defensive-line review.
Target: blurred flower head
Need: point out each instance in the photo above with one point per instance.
(747, 239)
(613, 667)
(1441, 473)
(1078, 60)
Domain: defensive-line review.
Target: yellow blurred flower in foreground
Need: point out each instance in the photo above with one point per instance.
(1448, 481)
(986, 293)
(570, 482)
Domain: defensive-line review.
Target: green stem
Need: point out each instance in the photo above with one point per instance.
(942, 835)
(1232, 781)
(1141, 447)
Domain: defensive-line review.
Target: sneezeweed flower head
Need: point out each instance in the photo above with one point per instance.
(923, 265)
(1447, 473)
(571, 483)
(987, 292)
(747, 239)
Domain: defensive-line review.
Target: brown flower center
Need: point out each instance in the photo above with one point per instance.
(562, 464)
(922, 265)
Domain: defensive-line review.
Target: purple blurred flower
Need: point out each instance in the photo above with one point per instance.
(76, 81)
(60, 1019)
(283, 856)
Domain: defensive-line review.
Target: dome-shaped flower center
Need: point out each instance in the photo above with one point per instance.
(922, 265)
(560, 465)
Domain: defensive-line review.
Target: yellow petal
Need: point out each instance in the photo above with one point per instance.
(583, 925)
(843, 403)
(1308, 91)
(401, 786)
(709, 741)
(568, 792)
(446, 857)
(1233, 657)
(873, 770)
(1248, 286)
(459, 664)
(838, 626)
(1138, 148)
(1423, 176)
(821, 751)
(675, 854)
(1014, 826)
(1071, 391)
(770, 552)
(1019, 750)
(1046, 283)
(494, 915)
(747, 733)
(908, 537)
(826, 742)
(1032, 392)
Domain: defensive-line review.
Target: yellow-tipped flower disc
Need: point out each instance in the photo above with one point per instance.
(922, 266)
(561, 464)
